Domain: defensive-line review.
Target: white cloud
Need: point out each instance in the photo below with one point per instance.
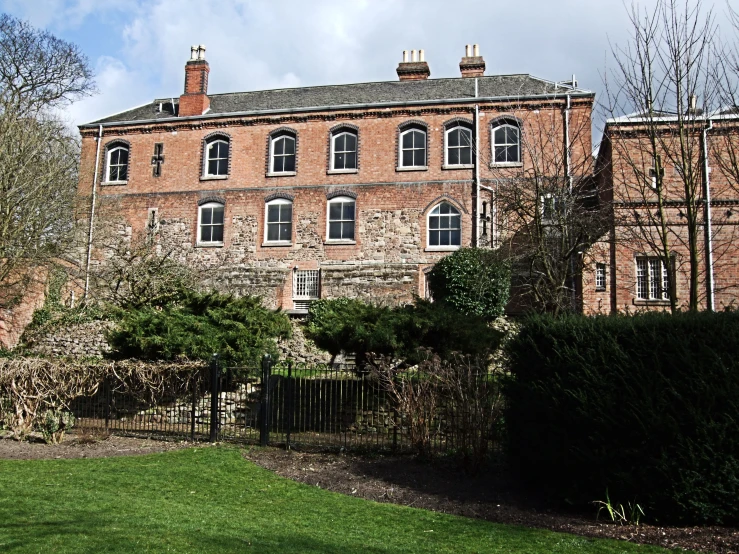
(119, 88)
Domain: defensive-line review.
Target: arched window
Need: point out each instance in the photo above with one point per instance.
(216, 157)
(344, 150)
(341, 216)
(279, 221)
(444, 226)
(412, 146)
(506, 144)
(117, 163)
(282, 153)
(458, 145)
(210, 223)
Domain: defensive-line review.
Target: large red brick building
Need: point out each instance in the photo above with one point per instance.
(341, 190)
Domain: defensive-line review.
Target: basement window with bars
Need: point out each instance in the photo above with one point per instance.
(652, 279)
(306, 288)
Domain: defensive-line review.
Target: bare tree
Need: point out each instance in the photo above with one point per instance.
(657, 79)
(39, 71)
(548, 214)
(38, 154)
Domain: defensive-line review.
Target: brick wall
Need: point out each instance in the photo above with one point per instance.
(390, 250)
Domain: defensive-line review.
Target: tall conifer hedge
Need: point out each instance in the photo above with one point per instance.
(644, 406)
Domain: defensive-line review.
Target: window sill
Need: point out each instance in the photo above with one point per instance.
(441, 248)
(209, 245)
(653, 302)
(340, 171)
(213, 177)
(463, 166)
(283, 174)
(113, 183)
(339, 242)
(493, 165)
(415, 168)
(279, 243)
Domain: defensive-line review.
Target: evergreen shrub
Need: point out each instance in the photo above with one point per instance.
(475, 281)
(351, 325)
(646, 407)
(201, 324)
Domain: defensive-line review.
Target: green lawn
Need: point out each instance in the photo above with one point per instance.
(212, 500)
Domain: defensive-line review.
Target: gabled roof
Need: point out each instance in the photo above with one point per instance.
(386, 93)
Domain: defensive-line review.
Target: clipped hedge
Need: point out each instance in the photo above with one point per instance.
(645, 406)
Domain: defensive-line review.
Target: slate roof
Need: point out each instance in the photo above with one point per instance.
(360, 94)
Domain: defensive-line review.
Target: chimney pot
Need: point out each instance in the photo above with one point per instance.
(193, 52)
(413, 67)
(472, 66)
(201, 52)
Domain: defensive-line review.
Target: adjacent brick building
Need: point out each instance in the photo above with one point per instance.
(628, 272)
(343, 190)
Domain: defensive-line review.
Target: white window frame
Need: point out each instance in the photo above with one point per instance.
(272, 142)
(600, 277)
(200, 242)
(334, 137)
(505, 145)
(114, 147)
(661, 287)
(443, 247)
(279, 202)
(412, 129)
(335, 200)
(447, 131)
(549, 219)
(207, 159)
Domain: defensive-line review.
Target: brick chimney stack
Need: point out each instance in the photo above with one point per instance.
(195, 100)
(472, 65)
(415, 69)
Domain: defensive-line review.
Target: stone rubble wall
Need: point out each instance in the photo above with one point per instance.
(79, 340)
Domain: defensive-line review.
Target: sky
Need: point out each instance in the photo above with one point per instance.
(138, 48)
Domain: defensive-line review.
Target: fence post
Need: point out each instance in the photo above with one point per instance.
(193, 408)
(214, 382)
(107, 395)
(289, 402)
(265, 407)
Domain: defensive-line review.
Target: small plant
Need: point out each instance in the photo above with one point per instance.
(54, 424)
(630, 514)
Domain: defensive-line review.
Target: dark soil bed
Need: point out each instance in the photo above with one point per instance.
(83, 446)
(443, 488)
(400, 480)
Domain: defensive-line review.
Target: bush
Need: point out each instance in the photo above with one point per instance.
(351, 325)
(54, 424)
(645, 407)
(240, 329)
(475, 281)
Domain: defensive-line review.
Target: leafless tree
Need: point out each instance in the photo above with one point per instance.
(38, 154)
(656, 123)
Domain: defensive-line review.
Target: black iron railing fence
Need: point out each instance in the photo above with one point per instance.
(285, 403)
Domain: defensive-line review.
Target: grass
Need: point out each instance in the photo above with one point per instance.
(212, 500)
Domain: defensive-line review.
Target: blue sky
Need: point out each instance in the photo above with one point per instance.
(139, 47)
